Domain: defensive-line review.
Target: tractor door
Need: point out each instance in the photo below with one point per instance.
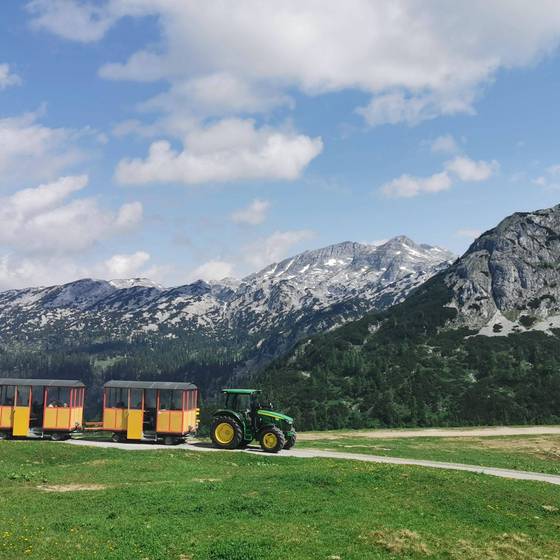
(241, 404)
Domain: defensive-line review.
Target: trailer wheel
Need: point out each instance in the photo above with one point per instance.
(59, 436)
(117, 437)
(171, 440)
(272, 439)
(5, 435)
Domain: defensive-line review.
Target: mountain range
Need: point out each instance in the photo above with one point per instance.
(349, 335)
(264, 313)
(477, 343)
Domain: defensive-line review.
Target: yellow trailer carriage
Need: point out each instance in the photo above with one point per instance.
(38, 408)
(150, 410)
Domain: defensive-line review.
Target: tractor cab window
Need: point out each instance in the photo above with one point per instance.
(238, 402)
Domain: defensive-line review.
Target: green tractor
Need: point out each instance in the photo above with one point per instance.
(244, 419)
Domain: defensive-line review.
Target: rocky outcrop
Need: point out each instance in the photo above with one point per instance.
(509, 279)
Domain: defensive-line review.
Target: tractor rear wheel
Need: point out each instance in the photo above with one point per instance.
(272, 439)
(290, 441)
(226, 433)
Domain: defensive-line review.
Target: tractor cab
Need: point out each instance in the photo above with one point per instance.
(246, 417)
(240, 400)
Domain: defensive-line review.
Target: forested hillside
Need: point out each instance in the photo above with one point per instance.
(477, 344)
(401, 368)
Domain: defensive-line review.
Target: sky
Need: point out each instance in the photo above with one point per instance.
(179, 139)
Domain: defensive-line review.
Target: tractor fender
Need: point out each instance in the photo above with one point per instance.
(231, 413)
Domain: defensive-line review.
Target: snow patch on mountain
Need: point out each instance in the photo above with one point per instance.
(310, 292)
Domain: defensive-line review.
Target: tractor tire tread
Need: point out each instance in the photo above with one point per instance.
(290, 442)
(279, 436)
(238, 432)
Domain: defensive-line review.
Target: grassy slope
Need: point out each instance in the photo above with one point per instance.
(225, 506)
(529, 453)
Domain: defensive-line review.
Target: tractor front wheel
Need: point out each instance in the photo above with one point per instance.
(272, 439)
(226, 433)
(290, 441)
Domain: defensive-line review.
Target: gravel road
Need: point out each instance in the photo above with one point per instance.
(434, 432)
(318, 453)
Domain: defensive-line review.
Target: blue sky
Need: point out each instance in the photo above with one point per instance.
(180, 139)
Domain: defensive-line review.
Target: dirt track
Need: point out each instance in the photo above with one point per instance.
(318, 453)
(434, 432)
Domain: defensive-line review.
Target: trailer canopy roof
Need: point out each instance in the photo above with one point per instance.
(42, 382)
(241, 391)
(149, 385)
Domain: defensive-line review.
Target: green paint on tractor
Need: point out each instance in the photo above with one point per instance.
(244, 419)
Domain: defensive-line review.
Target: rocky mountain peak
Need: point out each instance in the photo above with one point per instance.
(280, 303)
(509, 279)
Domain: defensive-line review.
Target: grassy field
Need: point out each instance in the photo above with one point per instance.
(64, 502)
(528, 453)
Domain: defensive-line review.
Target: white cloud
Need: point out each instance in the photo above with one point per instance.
(397, 107)
(549, 180)
(43, 219)
(445, 144)
(417, 60)
(408, 186)
(126, 266)
(33, 152)
(83, 21)
(217, 94)
(230, 150)
(460, 168)
(469, 170)
(8, 78)
(275, 247)
(212, 270)
(19, 271)
(469, 233)
(254, 214)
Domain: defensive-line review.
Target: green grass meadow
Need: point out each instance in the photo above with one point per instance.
(66, 502)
